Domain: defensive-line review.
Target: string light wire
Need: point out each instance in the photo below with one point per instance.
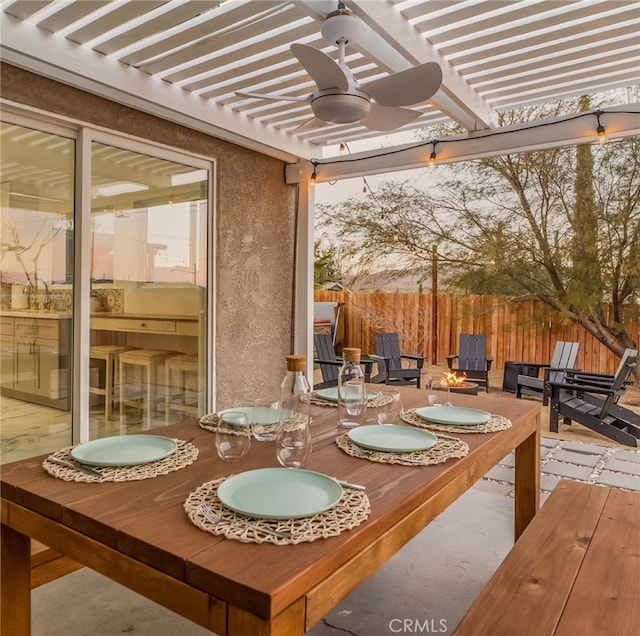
(600, 132)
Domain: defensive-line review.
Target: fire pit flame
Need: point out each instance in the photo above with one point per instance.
(455, 380)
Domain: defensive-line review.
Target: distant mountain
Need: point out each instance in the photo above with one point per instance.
(391, 281)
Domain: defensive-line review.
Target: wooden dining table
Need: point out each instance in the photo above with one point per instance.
(138, 534)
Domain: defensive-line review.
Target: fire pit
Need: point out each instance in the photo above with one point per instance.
(470, 388)
(460, 384)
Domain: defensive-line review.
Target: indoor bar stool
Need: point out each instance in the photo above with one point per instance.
(105, 359)
(142, 394)
(181, 392)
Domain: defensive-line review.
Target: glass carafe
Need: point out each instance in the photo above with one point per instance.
(352, 390)
(293, 442)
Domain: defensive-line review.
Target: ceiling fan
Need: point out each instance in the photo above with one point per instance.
(340, 99)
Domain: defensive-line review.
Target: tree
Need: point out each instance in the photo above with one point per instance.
(560, 225)
(325, 265)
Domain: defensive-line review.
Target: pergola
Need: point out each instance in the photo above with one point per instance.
(185, 60)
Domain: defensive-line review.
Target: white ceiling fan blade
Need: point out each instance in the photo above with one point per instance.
(325, 71)
(282, 98)
(388, 117)
(310, 124)
(405, 88)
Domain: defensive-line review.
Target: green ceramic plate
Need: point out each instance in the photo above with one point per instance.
(247, 410)
(392, 438)
(453, 415)
(331, 395)
(124, 450)
(280, 493)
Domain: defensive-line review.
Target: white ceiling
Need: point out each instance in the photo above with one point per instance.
(184, 59)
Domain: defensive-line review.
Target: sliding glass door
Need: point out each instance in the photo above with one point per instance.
(105, 300)
(36, 283)
(148, 272)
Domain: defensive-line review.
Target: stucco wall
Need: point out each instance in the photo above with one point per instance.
(255, 233)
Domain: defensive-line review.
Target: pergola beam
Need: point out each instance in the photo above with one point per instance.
(619, 121)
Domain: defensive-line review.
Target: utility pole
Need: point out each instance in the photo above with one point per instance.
(434, 305)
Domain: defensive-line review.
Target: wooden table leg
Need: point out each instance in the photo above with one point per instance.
(15, 591)
(527, 478)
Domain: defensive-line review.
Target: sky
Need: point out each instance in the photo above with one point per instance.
(327, 193)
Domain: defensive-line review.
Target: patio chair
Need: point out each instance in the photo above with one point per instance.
(390, 362)
(580, 403)
(472, 359)
(585, 380)
(330, 363)
(537, 385)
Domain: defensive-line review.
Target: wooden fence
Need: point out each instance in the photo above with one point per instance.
(525, 331)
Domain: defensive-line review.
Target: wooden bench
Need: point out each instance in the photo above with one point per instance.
(574, 570)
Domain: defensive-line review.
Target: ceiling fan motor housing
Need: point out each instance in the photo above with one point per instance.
(339, 26)
(340, 108)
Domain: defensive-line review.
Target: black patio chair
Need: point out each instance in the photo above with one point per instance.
(585, 379)
(390, 362)
(330, 363)
(472, 359)
(564, 358)
(581, 402)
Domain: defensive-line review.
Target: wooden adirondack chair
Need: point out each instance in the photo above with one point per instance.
(330, 363)
(564, 357)
(390, 367)
(472, 358)
(581, 403)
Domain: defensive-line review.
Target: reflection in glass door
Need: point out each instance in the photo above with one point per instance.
(36, 283)
(148, 263)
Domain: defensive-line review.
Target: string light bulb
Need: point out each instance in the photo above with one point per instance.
(343, 149)
(433, 156)
(600, 131)
(313, 174)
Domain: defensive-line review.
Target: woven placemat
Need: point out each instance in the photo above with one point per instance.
(352, 509)
(495, 424)
(185, 454)
(445, 448)
(209, 422)
(373, 403)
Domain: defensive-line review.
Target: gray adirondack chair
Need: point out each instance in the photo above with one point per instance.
(472, 359)
(330, 363)
(390, 362)
(594, 405)
(564, 357)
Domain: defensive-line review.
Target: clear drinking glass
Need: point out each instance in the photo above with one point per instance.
(265, 419)
(438, 391)
(390, 407)
(352, 402)
(293, 441)
(233, 436)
